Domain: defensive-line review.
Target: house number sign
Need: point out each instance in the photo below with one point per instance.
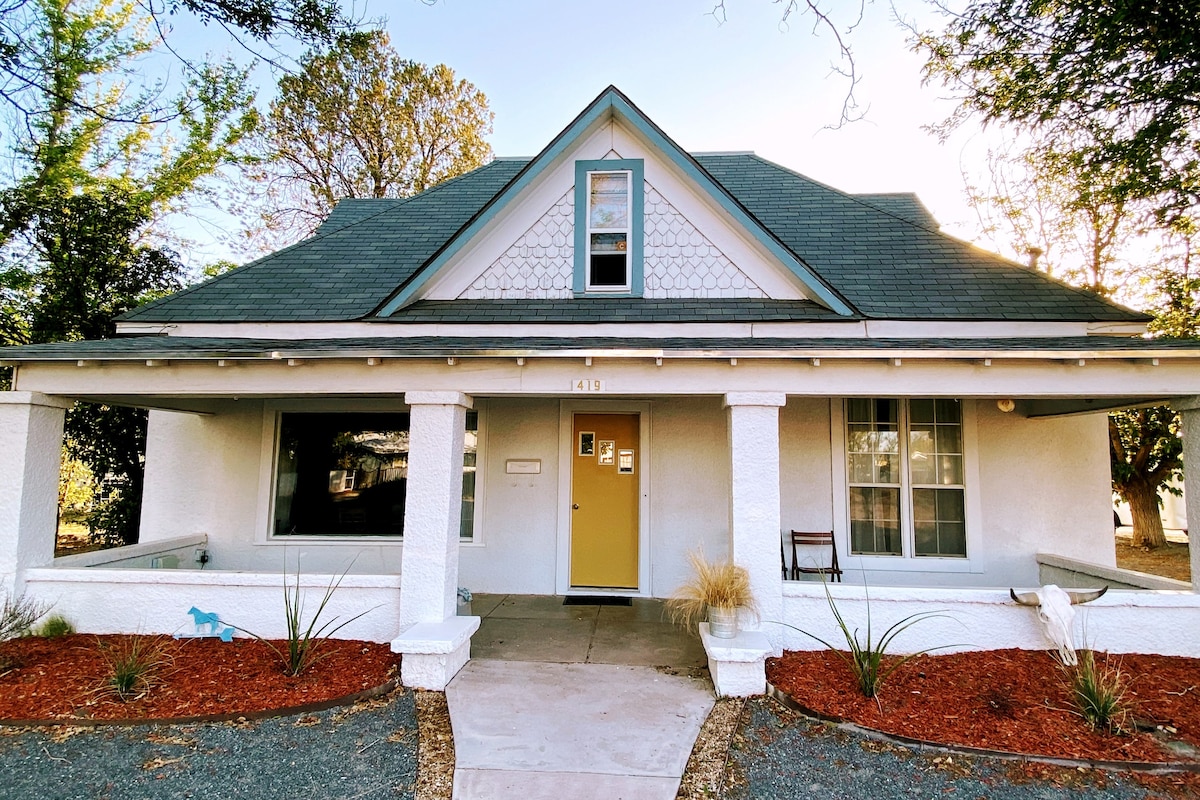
(587, 386)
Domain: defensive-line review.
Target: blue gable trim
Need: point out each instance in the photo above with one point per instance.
(637, 213)
(611, 101)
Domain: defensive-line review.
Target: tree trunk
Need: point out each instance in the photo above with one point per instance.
(1147, 519)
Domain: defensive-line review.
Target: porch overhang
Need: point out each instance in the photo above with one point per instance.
(1044, 376)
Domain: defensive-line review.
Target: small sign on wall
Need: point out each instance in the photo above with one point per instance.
(625, 462)
(532, 466)
(587, 385)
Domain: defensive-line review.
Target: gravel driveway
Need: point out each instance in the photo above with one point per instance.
(364, 751)
(780, 755)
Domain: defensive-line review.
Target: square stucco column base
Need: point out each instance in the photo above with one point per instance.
(31, 437)
(738, 665)
(754, 523)
(435, 642)
(1189, 413)
(434, 652)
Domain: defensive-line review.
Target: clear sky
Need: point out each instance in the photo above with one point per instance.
(748, 83)
(745, 84)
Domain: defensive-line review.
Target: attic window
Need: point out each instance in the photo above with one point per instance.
(608, 220)
(609, 200)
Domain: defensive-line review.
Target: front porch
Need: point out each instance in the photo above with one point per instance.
(726, 471)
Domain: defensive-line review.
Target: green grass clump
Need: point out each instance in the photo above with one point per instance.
(1098, 692)
(54, 626)
(133, 663)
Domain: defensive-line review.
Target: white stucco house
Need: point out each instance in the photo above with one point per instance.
(559, 374)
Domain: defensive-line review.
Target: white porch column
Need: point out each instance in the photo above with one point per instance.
(31, 440)
(434, 641)
(754, 515)
(1189, 413)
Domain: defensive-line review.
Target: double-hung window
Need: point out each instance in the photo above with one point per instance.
(905, 478)
(609, 200)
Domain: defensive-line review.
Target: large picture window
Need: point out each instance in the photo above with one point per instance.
(346, 474)
(905, 476)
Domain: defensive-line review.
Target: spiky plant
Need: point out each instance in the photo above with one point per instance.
(1098, 692)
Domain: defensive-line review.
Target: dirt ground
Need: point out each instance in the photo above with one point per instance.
(1172, 561)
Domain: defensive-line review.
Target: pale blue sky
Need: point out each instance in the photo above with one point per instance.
(746, 84)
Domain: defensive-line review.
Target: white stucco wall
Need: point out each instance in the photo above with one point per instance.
(689, 487)
(989, 619)
(212, 475)
(1045, 487)
(1041, 486)
(99, 600)
(516, 548)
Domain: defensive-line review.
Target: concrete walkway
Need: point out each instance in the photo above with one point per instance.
(576, 701)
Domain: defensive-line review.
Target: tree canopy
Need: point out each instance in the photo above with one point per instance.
(359, 121)
(1117, 82)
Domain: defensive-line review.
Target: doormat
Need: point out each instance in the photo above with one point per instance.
(596, 600)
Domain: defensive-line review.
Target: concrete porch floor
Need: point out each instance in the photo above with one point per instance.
(540, 628)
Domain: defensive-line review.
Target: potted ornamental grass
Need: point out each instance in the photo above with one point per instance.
(718, 591)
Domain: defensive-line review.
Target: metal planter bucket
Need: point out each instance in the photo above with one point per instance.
(722, 622)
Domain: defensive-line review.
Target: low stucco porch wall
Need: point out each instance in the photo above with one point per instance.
(1071, 573)
(100, 600)
(988, 619)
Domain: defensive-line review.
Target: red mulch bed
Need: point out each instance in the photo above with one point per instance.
(65, 678)
(1013, 700)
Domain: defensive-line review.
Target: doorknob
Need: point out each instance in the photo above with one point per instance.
(575, 506)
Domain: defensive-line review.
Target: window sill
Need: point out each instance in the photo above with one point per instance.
(904, 564)
(333, 539)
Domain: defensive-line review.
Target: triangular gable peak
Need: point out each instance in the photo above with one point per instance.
(684, 237)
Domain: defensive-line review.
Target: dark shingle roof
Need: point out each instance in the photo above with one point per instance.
(188, 347)
(902, 204)
(883, 253)
(891, 268)
(353, 261)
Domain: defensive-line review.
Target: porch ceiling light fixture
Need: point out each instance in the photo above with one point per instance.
(1006, 404)
(1055, 609)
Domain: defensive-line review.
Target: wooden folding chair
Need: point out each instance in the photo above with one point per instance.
(815, 539)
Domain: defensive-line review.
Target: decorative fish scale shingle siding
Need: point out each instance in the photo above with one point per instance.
(680, 261)
(538, 266)
(887, 266)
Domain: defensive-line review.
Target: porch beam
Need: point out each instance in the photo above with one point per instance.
(754, 515)
(1189, 414)
(31, 436)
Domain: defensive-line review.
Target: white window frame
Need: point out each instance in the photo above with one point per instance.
(625, 288)
(908, 561)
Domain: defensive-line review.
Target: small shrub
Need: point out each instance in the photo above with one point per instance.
(721, 584)
(18, 615)
(868, 658)
(133, 662)
(1098, 692)
(54, 626)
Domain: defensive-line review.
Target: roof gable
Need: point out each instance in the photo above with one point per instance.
(610, 125)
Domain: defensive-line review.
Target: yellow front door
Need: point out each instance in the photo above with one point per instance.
(605, 469)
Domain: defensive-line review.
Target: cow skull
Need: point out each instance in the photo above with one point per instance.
(1056, 612)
